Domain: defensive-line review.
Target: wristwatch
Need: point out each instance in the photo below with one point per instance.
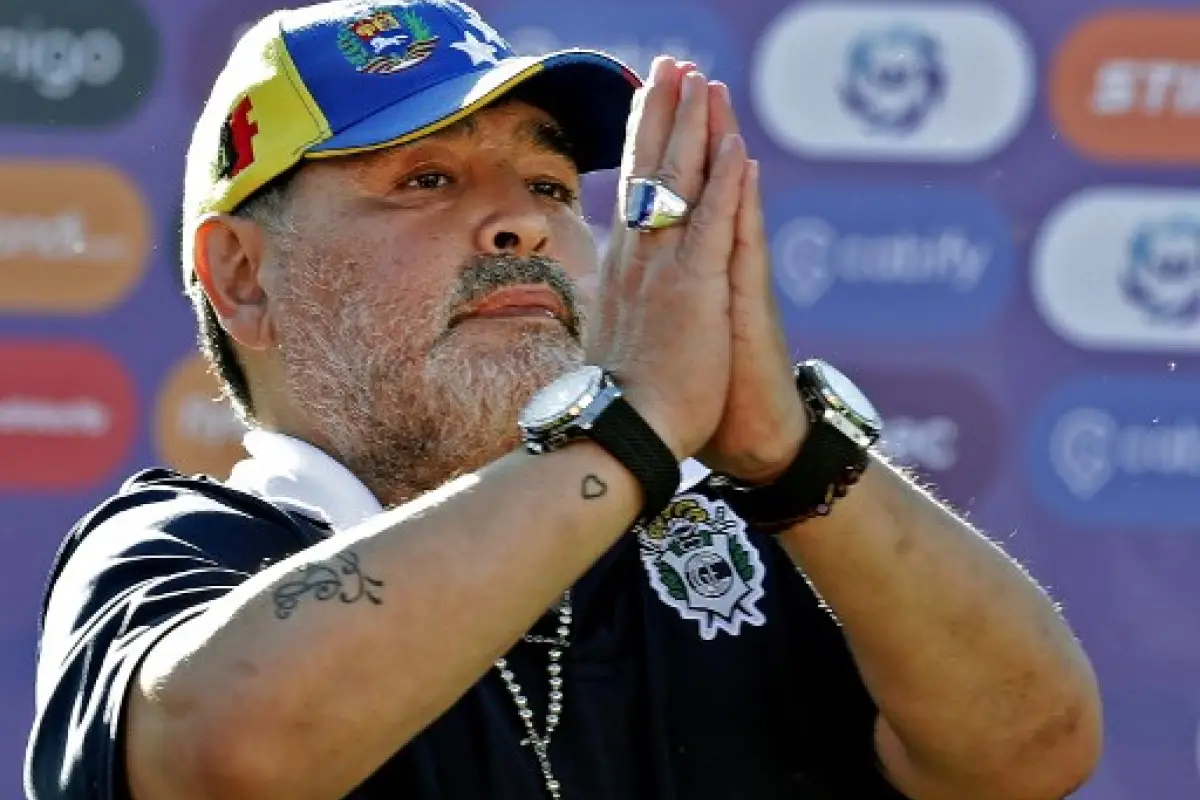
(587, 404)
(844, 425)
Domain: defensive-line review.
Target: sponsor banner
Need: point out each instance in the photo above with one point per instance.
(1120, 451)
(74, 237)
(67, 416)
(940, 424)
(74, 62)
(195, 429)
(1124, 87)
(858, 260)
(1118, 268)
(686, 30)
(893, 81)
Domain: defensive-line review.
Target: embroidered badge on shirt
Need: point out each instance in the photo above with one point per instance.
(703, 565)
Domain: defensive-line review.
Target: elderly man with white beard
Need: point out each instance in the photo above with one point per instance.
(515, 523)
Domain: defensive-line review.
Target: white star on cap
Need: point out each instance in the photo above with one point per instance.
(479, 52)
(489, 33)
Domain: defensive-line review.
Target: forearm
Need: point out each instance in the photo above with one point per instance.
(327, 690)
(971, 665)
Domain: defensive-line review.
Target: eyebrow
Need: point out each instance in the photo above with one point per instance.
(542, 135)
(548, 137)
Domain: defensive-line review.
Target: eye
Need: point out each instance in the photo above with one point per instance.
(554, 190)
(429, 180)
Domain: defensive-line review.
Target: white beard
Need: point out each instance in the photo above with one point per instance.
(402, 413)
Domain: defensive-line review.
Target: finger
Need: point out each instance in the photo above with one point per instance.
(722, 119)
(683, 164)
(749, 219)
(651, 118)
(708, 241)
(750, 265)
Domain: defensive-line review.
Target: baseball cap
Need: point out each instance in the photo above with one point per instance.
(351, 76)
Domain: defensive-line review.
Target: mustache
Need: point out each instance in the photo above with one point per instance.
(484, 274)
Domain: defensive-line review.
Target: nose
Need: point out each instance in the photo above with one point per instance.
(515, 223)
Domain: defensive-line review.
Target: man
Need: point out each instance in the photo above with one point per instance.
(391, 269)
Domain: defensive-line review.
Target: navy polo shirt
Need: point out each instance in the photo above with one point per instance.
(702, 666)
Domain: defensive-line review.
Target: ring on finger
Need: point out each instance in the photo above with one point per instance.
(651, 205)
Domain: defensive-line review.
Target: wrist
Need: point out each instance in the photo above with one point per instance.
(765, 465)
(655, 415)
(587, 403)
(840, 426)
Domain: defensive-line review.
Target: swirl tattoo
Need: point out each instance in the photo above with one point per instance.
(343, 579)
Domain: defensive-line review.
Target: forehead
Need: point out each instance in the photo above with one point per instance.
(510, 124)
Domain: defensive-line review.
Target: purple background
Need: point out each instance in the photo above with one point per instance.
(1126, 587)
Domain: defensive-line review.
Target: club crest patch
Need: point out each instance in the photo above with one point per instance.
(702, 564)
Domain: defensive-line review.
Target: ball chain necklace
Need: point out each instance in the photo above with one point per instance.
(540, 742)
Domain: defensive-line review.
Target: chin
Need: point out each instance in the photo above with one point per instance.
(501, 371)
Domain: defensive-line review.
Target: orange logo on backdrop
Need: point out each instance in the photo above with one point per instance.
(1126, 87)
(74, 237)
(66, 416)
(196, 430)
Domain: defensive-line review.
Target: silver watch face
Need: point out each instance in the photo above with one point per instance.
(565, 397)
(849, 396)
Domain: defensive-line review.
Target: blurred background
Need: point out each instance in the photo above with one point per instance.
(984, 213)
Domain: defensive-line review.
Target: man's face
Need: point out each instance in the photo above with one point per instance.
(424, 292)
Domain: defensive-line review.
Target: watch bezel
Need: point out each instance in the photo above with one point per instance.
(861, 428)
(574, 418)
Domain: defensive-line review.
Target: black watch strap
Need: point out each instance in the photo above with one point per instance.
(621, 431)
(827, 465)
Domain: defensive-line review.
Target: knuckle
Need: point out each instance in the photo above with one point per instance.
(669, 173)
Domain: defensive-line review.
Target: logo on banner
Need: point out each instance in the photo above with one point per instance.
(1123, 87)
(894, 79)
(1119, 269)
(74, 237)
(68, 416)
(1162, 276)
(1120, 451)
(196, 429)
(74, 63)
(703, 565)
(942, 425)
(872, 259)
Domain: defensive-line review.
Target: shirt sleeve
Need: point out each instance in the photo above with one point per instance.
(157, 559)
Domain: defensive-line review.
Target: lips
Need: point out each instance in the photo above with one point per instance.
(516, 301)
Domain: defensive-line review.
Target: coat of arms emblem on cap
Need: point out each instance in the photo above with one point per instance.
(702, 564)
(386, 42)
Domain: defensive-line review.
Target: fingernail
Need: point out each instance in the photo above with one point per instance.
(728, 143)
(689, 86)
(657, 66)
(752, 169)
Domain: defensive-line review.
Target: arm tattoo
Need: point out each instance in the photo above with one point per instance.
(342, 578)
(594, 488)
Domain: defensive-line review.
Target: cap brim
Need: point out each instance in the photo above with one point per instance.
(588, 93)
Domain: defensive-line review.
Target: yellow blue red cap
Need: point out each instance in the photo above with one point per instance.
(349, 76)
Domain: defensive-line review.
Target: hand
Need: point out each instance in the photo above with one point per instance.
(661, 323)
(764, 422)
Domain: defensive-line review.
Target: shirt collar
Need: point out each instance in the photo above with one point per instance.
(294, 474)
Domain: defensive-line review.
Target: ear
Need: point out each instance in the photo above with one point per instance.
(228, 262)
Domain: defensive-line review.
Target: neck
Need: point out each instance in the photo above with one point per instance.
(402, 472)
